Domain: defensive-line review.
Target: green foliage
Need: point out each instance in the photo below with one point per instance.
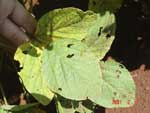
(117, 85)
(65, 61)
(29, 108)
(69, 70)
(100, 6)
(2, 111)
(16, 108)
(68, 106)
(67, 23)
(31, 72)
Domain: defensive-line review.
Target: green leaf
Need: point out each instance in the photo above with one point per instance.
(88, 52)
(71, 70)
(15, 108)
(100, 6)
(118, 88)
(65, 59)
(29, 57)
(70, 106)
(94, 30)
(102, 35)
(2, 110)
(66, 23)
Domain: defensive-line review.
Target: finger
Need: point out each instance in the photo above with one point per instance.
(6, 7)
(22, 18)
(13, 33)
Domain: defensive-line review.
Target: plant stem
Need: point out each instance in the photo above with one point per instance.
(3, 94)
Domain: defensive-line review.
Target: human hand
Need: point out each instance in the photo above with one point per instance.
(15, 21)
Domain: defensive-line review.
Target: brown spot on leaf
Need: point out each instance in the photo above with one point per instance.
(115, 93)
(118, 71)
(124, 96)
(118, 76)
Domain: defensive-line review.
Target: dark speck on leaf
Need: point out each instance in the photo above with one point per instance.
(118, 76)
(50, 47)
(40, 61)
(20, 68)
(124, 96)
(100, 31)
(69, 45)
(83, 40)
(60, 89)
(129, 93)
(25, 52)
(70, 55)
(115, 93)
(31, 51)
(76, 112)
(108, 36)
(118, 71)
(121, 66)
